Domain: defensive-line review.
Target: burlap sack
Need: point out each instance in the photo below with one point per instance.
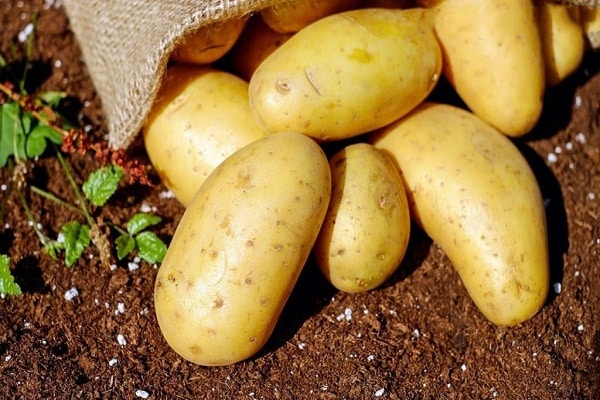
(126, 44)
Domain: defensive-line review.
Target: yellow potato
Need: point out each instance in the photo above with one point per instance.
(239, 248)
(475, 195)
(563, 43)
(209, 43)
(590, 22)
(291, 16)
(347, 74)
(256, 42)
(367, 225)
(200, 117)
(493, 58)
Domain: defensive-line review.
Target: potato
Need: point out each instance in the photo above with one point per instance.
(200, 117)
(475, 195)
(347, 74)
(291, 16)
(563, 43)
(239, 248)
(493, 58)
(209, 43)
(256, 42)
(367, 225)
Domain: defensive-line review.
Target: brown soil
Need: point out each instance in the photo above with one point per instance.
(418, 337)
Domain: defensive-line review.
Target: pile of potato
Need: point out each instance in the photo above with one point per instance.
(248, 107)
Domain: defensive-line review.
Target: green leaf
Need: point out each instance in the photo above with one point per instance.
(48, 133)
(77, 238)
(36, 140)
(10, 130)
(52, 98)
(2, 62)
(141, 221)
(125, 245)
(52, 248)
(102, 184)
(150, 247)
(8, 286)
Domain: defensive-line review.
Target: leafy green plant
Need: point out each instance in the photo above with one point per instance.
(7, 281)
(26, 121)
(75, 236)
(31, 126)
(149, 246)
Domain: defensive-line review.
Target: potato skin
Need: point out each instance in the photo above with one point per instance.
(367, 226)
(563, 40)
(239, 248)
(201, 116)
(347, 74)
(475, 195)
(209, 43)
(256, 42)
(291, 16)
(493, 58)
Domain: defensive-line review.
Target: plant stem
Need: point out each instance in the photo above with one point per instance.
(119, 229)
(23, 102)
(52, 197)
(43, 238)
(28, 50)
(75, 187)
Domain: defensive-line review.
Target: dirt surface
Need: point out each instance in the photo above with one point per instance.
(418, 337)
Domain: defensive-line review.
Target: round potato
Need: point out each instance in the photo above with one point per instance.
(209, 43)
(200, 117)
(291, 16)
(475, 195)
(347, 74)
(239, 248)
(367, 225)
(493, 58)
(563, 42)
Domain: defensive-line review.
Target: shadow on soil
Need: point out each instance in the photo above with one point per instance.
(28, 274)
(556, 215)
(310, 295)
(558, 100)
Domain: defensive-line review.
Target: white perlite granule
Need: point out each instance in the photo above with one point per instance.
(121, 340)
(71, 294)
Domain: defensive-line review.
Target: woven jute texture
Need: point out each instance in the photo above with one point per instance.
(126, 45)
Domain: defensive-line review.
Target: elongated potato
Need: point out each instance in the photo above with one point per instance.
(200, 117)
(475, 195)
(347, 74)
(367, 225)
(563, 42)
(291, 16)
(209, 43)
(240, 247)
(493, 58)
